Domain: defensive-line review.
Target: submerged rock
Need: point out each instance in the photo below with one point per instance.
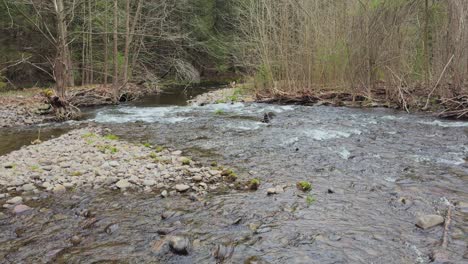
(15, 200)
(21, 208)
(428, 221)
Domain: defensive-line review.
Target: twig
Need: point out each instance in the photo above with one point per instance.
(448, 219)
(438, 81)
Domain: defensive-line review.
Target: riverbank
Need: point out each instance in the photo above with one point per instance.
(30, 107)
(92, 158)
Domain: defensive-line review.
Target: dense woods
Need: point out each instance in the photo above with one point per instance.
(412, 52)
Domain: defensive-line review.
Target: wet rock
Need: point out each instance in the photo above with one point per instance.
(59, 189)
(15, 200)
(330, 191)
(21, 208)
(223, 252)
(75, 240)
(275, 190)
(111, 228)
(428, 221)
(182, 187)
(123, 184)
(462, 207)
(179, 245)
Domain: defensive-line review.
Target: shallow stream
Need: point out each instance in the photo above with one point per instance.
(373, 172)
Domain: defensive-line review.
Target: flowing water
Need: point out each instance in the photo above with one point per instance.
(373, 172)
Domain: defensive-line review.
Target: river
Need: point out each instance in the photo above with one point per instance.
(373, 172)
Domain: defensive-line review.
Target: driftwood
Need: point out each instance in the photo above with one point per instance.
(330, 98)
(441, 255)
(61, 108)
(456, 107)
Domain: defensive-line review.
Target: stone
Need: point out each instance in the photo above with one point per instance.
(428, 221)
(21, 208)
(59, 189)
(179, 245)
(182, 187)
(149, 182)
(15, 200)
(4, 195)
(114, 163)
(271, 191)
(76, 240)
(123, 184)
(197, 178)
(275, 190)
(28, 187)
(46, 185)
(164, 194)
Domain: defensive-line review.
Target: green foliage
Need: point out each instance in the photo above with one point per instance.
(111, 137)
(89, 135)
(214, 164)
(76, 173)
(304, 186)
(159, 148)
(107, 149)
(254, 184)
(185, 161)
(153, 155)
(219, 112)
(147, 145)
(310, 200)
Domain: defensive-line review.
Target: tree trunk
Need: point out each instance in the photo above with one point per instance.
(115, 81)
(106, 45)
(127, 43)
(62, 72)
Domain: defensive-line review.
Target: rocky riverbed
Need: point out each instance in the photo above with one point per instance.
(92, 158)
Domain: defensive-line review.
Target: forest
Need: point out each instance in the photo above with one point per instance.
(409, 52)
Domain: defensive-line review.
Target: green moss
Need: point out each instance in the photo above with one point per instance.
(76, 173)
(304, 186)
(159, 148)
(219, 112)
(229, 174)
(185, 161)
(107, 148)
(254, 184)
(147, 145)
(153, 155)
(111, 137)
(220, 101)
(310, 200)
(35, 168)
(89, 135)
(214, 164)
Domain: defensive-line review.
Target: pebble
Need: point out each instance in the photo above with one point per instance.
(123, 184)
(197, 178)
(75, 240)
(428, 221)
(182, 187)
(20, 208)
(59, 189)
(15, 200)
(114, 163)
(179, 245)
(164, 193)
(28, 187)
